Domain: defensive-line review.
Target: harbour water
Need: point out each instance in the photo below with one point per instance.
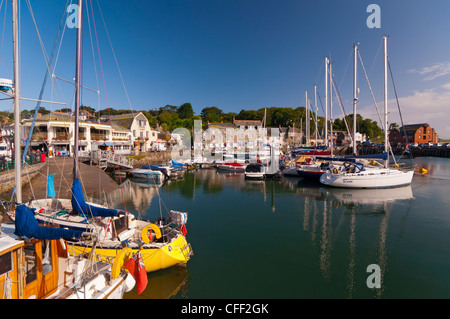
(289, 238)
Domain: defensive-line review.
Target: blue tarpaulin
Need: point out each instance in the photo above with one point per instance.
(28, 226)
(176, 163)
(80, 206)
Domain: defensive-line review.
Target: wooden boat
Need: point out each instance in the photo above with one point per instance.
(34, 268)
(34, 260)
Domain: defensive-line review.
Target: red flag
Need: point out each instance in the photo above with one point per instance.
(136, 267)
(184, 230)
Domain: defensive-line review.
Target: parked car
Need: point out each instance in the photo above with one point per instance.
(446, 145)
(414, 144)
(437, 144)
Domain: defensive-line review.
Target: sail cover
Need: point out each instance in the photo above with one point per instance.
(28, 226)
(80, 206)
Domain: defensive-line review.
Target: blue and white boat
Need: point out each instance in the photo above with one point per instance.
(146, 172)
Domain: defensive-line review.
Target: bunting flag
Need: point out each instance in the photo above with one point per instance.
(136, 267)
(184, 230)
(50, 186)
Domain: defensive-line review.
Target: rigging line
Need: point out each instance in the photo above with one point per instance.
(62, 36)
(398, 105)
(103, 76)
(345, 71)
(370, 89)
(93, 56)
(376, 56)
(43, 84)
(3, 35)
(99, 55)
(114, 54)
(341, 105)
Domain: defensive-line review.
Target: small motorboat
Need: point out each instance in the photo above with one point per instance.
(145, 171)
(255, 171)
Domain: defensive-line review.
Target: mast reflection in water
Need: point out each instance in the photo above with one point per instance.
(290, 238)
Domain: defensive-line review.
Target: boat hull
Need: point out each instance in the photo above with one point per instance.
(384, 178)
(254, 175)
(310, 174)
(178, 251)
(147, 174)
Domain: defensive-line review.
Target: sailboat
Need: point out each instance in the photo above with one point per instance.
(161, 245)
(34, 259)
(358, 175)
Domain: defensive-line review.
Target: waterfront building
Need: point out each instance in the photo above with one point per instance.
(53, 134)
(415, 133)
(142, 136)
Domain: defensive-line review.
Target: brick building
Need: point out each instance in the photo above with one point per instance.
(415, 133)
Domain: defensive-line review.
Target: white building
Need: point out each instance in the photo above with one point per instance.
(141, 135)
(54, 133)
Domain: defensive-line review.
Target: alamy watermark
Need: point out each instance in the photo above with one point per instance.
(214, 144)
(73, 17)
(374, 19)
(374, 279)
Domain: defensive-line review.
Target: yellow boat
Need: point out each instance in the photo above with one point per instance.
(161, 246)
(156, 256)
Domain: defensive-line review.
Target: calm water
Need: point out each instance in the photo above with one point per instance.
(292, 239)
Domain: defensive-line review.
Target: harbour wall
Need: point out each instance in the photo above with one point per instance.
(152, 158)
(415, 151)
(7, 178)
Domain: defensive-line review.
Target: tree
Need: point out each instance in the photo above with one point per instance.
(212, 114)
(185, 111)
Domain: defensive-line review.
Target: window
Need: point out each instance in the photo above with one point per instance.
(142, 134)
(5, 263)
(30, 263)
(148, 133)
(46, 257)
(134, 133)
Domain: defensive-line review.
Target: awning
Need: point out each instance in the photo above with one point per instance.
(108, 144)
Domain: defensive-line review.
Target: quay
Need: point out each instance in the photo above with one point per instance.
(92, 178)
(428, 151)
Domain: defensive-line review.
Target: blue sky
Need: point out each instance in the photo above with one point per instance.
(245, 54)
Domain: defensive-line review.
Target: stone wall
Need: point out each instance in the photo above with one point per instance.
(153, 158)
(7, 179)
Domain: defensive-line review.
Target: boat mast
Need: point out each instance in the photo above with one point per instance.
(326, 102)
(386, 141)
(331, 108)
(17, 141)
(315, 109)
(77, 86)
(355, 98)
(307, 119)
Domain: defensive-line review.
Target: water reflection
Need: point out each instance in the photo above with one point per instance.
(346, 230)
(322, 204)
(164, 284)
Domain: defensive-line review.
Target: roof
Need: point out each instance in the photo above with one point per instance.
(220, 125)
(413, 126)
(123, 120)
(56, 116)
(247, 122)
(117, 127)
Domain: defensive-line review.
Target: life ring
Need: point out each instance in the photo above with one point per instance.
(335, 170)
(119, 261)
(144, 232)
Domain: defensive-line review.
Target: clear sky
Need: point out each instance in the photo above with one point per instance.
(240, 54)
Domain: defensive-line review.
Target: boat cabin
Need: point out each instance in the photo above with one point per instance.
(40, 264)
